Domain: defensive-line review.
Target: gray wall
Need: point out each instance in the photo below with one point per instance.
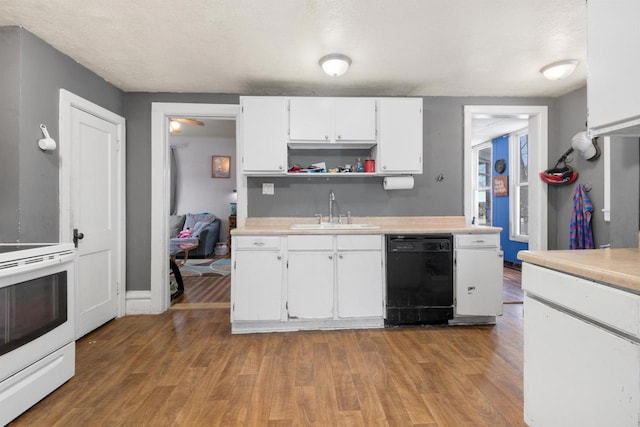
(33, 72)
(621, 231)
(138, 114)
(443, 119)
(29, 177)
(443, 153)
(625, 192)
(571, 117)
(10, 135)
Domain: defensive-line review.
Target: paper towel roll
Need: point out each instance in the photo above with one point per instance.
(397, 182)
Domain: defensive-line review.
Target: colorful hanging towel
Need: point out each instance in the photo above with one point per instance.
(581, 234)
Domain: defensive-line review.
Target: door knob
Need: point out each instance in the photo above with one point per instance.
(77, 236)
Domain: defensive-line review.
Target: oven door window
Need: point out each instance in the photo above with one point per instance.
(30, 309)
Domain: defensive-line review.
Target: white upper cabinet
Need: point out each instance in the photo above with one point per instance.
(613, 83)
(355, 119)
(332, 120)
(310, 119)
(264, 135)
(400, 135)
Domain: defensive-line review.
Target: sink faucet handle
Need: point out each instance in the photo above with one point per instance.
(340, 218)
(349, 220)
(319, 218)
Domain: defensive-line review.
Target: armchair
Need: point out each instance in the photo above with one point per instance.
(207, 232)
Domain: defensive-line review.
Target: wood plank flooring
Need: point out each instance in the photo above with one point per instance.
(184, 368)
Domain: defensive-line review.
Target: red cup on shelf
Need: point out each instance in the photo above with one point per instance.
(369, 165)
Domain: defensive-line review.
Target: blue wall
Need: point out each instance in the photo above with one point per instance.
(501, 204)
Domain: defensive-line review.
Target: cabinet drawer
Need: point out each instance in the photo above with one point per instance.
(310, 243)
(477, 240)
(256, 242)
(613, 307)
(360, 242)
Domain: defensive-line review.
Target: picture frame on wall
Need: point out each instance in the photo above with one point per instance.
(220, 166)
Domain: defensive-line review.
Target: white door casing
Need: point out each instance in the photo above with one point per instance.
(160, 175)
(92, 200)
(538, 153)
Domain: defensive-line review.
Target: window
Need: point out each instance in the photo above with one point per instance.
(482, 211)
(519, 178)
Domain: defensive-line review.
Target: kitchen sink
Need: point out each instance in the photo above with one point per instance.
(333, 226)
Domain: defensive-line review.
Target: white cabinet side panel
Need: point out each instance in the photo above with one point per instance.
(577, 374)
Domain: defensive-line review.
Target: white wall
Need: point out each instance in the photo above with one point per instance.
(197, 190)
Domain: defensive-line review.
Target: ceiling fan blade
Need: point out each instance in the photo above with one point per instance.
(189, 121)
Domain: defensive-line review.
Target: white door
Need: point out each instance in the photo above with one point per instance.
(94, 214)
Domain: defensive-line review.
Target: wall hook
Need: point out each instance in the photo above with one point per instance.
(440, 178)
(47, 143)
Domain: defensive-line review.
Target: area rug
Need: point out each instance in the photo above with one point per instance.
(200, 267)
(221, 266)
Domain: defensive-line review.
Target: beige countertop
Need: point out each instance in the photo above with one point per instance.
(619, 267)
(387, 225)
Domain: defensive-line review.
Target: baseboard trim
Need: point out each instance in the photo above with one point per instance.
(138, 302)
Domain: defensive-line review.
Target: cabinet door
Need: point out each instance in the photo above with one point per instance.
(478, 282)
(359, 278)
(614, 66)
(264, 135)
(400, 135)
(310, 285)
(310, 119)
(355, 119)
(257, 296)
(593, 372)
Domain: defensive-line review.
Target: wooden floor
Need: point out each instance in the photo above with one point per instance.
(184, 367)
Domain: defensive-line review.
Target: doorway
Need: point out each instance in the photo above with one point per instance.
(161, 113)
(536, 118)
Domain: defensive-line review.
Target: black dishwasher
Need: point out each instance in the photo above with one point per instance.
(419, 279)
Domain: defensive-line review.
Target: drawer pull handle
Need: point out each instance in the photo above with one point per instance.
(258, 243)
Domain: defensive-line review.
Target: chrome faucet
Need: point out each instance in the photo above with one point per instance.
(332, 198)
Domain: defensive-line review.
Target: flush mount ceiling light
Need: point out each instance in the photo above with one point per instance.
(559, 70)
(335, 64)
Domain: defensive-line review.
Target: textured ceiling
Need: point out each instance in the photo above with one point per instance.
(398, 47)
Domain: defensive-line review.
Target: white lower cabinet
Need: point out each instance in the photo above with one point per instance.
(581, 351)
(478, 278)
(307, 282)
(310, 285)
(335, 276)
(359, 276)
(257, 276)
